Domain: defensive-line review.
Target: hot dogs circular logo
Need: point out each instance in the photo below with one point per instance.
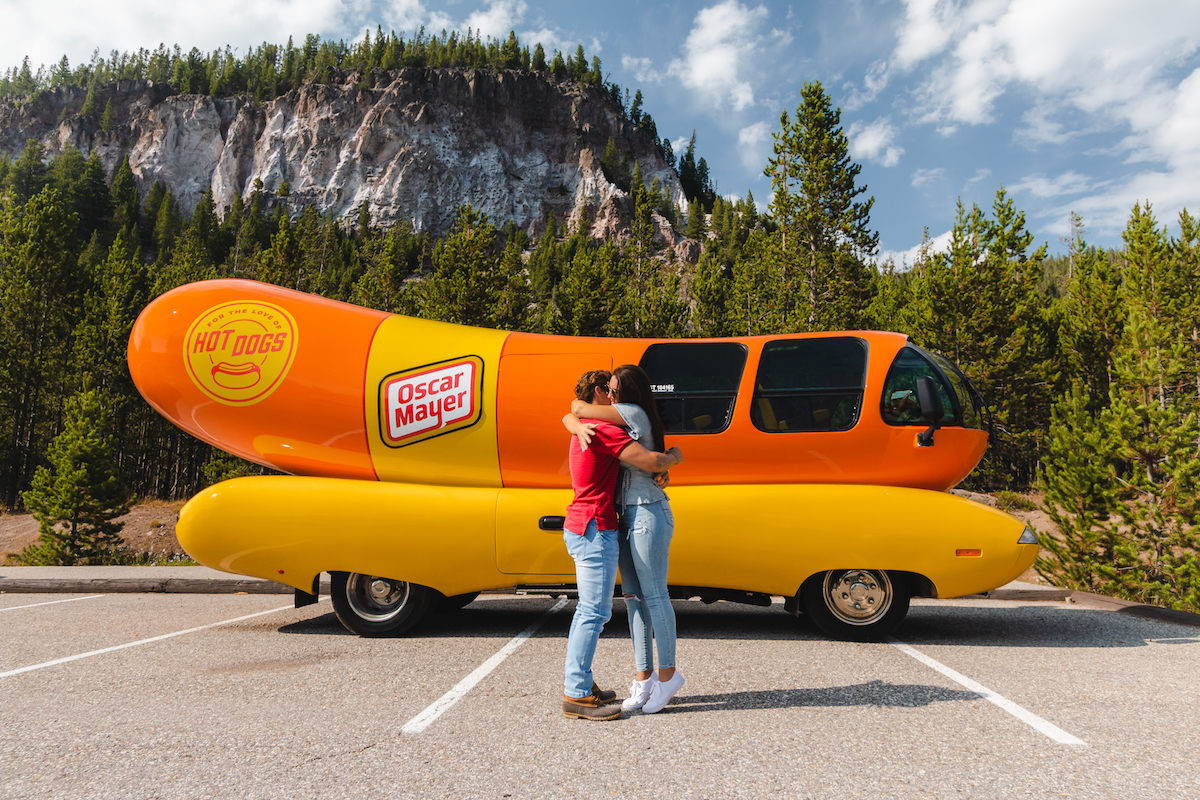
(238, 353)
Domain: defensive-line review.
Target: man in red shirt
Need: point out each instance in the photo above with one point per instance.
(590, 534)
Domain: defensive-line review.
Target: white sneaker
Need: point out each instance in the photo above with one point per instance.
(639, 693)
(662, 693)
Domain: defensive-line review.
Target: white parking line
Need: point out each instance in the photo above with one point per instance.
(52, 602)
(1028, 717)
(444, 703)
(102, 651)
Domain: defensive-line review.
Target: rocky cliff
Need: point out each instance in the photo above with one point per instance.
(517, 145)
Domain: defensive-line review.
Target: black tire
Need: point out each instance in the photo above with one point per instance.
(856, 605)
(455, 602)
(370, 605)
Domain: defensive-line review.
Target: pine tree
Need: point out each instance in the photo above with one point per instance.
(108, 120)
(463, 286)
(756, 294)
(89, 102)
(41, 291)
(710, 289)
(1081, 499)
(77, 500)
(512, 312)
(27, 175)
(696, 227)
(823, 230)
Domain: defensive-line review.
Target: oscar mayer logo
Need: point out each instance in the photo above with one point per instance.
(429, 401)
(238, 353)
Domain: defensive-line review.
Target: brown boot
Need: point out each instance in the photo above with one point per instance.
(605, 695)
(590, 707)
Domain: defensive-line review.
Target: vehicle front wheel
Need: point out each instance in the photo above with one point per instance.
(856, 605)
(370, 605)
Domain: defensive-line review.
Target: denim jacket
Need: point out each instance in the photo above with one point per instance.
(636, 486)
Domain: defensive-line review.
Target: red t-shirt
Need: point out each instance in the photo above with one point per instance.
(594, 478)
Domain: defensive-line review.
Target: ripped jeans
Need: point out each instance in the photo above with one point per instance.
(645, 540)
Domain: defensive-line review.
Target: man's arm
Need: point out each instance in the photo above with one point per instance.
(649, 460)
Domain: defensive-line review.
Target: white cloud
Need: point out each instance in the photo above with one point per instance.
(979, 175)
(1089, 65)
(752, 141)
(924, 176)
(403, 15)
(875, 81)
(1040, 186)
(903, 259)
(440, 21)
(874, 142)
(500, 17)
(1089, 53)
(718, 51)
(47, 31)
(642, 68)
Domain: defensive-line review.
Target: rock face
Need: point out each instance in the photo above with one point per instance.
(516, 145)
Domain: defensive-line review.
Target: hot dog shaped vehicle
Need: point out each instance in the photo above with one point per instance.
(428, 460)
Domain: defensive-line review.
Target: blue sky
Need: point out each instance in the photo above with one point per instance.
(1073, 105)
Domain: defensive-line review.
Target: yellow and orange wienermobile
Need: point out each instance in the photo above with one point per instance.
(428, 461)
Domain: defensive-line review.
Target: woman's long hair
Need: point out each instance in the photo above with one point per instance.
(634, 387)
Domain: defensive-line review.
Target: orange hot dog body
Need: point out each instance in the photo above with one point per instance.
(331, 389)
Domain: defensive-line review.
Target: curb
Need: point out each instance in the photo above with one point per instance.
(1095, 601)
(146, 586)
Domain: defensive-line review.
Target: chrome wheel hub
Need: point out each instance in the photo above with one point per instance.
(858, 596)
(374, 598)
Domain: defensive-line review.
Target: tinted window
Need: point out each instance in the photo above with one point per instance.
(809, 385)
(899, 404)
(695, 383)
(969, 401)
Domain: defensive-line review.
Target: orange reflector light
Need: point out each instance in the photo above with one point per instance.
(968, 553)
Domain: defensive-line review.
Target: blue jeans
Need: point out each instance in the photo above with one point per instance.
(646, 532)
(595, 554)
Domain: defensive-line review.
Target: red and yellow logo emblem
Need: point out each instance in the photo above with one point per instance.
(429, 401)
(238, 353)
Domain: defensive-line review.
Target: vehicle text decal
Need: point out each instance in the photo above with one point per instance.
(429, 401)
(238, 353)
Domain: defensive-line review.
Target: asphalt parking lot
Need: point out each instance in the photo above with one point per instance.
(198, 696)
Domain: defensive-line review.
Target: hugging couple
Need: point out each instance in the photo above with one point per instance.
(618, 470)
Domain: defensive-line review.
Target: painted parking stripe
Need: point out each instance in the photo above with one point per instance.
(1028, 717)
(52, 602)
(444, 703)
(152, 639)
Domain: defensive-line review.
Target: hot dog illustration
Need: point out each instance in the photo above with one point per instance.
(236, 376)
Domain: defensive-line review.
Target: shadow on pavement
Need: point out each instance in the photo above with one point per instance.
(1043, 625)
(1035, 626)
(874, 693)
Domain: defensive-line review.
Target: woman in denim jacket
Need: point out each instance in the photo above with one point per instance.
(645, 535)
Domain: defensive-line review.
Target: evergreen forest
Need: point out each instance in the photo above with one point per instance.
(1090, 361)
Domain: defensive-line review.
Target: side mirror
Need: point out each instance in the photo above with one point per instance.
(932, 409)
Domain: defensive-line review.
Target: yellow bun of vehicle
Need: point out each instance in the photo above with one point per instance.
(736, 542)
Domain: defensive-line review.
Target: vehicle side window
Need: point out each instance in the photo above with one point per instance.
(971, 404)
(695, 384)
(809, 385)
(899, 405)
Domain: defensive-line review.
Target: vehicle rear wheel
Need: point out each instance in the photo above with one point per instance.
(370, 605)
(856, 605)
